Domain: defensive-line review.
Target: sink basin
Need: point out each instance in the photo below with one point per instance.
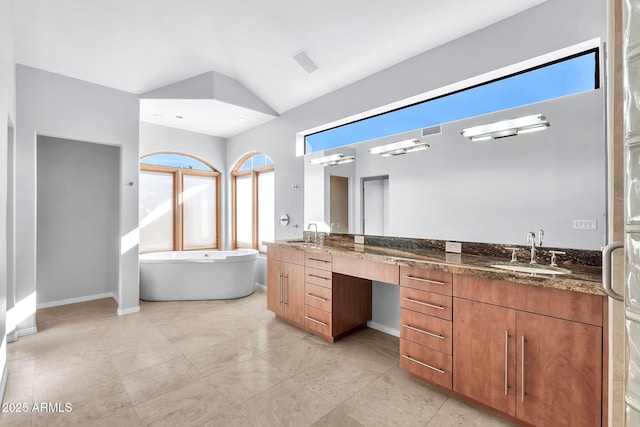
(531, 269)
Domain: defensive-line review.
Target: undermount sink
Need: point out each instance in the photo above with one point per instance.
(531, 269)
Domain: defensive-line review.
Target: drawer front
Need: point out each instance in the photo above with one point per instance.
(426, 280)
(372, 270)
(426, 330)
(317, 260)
(317, 320)
(317, 296)
(317, 277)
(426, 302)
(428, 364)
(294, 256)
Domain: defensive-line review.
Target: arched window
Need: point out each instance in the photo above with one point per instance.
(253, 202)
(179, 203)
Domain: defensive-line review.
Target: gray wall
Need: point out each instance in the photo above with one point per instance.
(78, 212)
(552, 25)
(57, 106)
(7, 119)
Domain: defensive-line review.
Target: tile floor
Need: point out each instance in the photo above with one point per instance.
(214, 363)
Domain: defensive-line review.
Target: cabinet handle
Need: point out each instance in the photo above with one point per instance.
(314, 320)
(423, 364)
(606, 269)
(506, 363)
(286, 282)
(281, 289)
(317, 297)
(522, 372)
(420, 279)
(423, 331)
(439, 307)
(319, 260)
(318, 277)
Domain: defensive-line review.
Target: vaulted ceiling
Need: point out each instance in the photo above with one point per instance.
(141, 45)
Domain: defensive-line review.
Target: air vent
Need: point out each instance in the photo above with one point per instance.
(433, 130)
(305, 61)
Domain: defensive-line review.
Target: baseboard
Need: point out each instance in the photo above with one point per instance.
(3, 381)
(76, 300)
(130, 310)
(383, 328)
(26, 331)
(261, 286)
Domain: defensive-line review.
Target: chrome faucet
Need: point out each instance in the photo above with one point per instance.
(315, 233)
(531, 238)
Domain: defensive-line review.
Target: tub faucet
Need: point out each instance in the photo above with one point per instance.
(315, 233)
(531, 238)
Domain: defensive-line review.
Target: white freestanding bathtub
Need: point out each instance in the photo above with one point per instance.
(197, 275)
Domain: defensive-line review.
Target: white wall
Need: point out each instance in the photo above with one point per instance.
(7, 118)
(77, 220)
(53, 105)
(552, 25)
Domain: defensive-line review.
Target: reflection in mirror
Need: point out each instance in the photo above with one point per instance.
(493, 191)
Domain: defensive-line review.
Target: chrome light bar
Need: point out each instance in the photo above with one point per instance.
(333, 160)
(505, 128)
(399, 148)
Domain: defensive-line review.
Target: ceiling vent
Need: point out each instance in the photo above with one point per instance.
(305, 62)
(433, 130)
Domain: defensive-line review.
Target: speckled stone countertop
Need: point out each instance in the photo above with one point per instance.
(585, 271)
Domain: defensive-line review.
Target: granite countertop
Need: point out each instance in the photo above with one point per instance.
(582, 278)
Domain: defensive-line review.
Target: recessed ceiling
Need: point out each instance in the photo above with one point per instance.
(140, 45)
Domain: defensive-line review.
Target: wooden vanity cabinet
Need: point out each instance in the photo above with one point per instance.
(426, 330)
(541, 369)
(285, 284)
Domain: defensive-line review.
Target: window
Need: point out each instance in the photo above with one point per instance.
(253, 202)
(574, 74)
(179, 203)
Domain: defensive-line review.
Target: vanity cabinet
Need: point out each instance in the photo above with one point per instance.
(334, 304)
(285, 284)
(542, 369)
(426, 330)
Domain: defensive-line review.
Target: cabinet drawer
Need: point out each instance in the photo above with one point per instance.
(426, 280)
(293, 256)
(317, 320)
(426, 302)
(317, 296)
(569, 305)
(365, 269)
(317, 277)
(427, 330)
(428, 364)
(317, 260)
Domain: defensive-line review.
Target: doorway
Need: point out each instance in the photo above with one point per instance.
(375, 205)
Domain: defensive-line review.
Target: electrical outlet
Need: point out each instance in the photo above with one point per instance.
(454, 247)
(585, 224)
(358, 240)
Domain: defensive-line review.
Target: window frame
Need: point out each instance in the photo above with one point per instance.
(178, 186)
(253, 173)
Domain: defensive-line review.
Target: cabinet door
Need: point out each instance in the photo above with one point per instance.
(294, 292)
(275, 283)
(559, 371)
(484, 362)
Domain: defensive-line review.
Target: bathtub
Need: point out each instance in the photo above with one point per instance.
(197, 275)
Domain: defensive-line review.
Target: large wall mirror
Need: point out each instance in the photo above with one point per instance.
(492, 191)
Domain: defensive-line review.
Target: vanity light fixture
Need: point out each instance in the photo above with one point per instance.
(505, 128)
(333, 160)
(399, 148)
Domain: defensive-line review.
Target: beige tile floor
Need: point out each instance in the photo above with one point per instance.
(214, 363)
